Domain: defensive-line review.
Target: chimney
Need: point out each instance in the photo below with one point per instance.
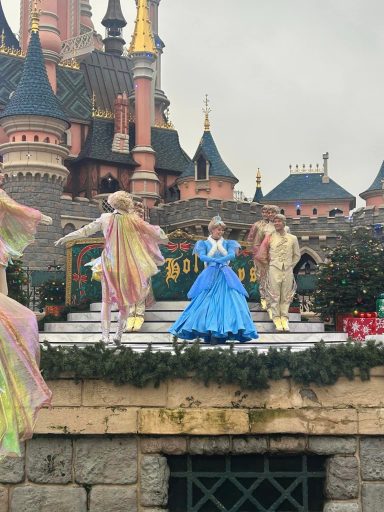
(325, 178)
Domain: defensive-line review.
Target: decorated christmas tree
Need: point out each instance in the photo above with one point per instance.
(52, 292)
(352, 276)
(17, 280)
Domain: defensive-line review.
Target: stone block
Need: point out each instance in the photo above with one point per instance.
(371, 421)
(113, 498)
(249, 444)
(372, 458)
(168, 445)
(87, 420)
(288, 444)
(193, 421)
(372, 497)
(44, 498)
(328, 445)
(209, 445)
(12, 469)
(342, 478)
(103, 393)
(342, 507)
(106, 461)
(3, 498)
(154, 481)
(49, 460)
(65, 392)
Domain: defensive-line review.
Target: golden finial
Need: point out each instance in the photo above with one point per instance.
(93, 103)
(206, 110)
(258, 178)
(142, 39)
(35, 17)
(3, 39)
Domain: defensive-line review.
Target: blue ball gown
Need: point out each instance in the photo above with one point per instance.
(218, 310)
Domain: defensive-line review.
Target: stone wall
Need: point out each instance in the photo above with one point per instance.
(130, 473)
(104, 447)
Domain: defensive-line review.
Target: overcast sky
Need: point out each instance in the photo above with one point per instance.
(287, 79)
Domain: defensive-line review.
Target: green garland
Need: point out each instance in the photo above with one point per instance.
(321, 364)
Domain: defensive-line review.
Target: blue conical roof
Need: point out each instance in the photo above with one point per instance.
(34, 95)
(377, 184)
(208, 149)
(258, 197)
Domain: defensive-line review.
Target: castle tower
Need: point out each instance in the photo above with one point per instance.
(144, 181)
(114, 22)
(374, 195)
(258, 197)
(160, 99)
(207, 175)
(86, 15)
(33, 159)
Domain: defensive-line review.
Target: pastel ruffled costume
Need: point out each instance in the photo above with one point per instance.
(22, 388)
(18, 225)
(218, 310)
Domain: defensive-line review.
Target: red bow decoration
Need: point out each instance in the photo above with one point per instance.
(183, 246)
(80, 278)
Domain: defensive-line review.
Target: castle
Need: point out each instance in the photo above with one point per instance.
(81, 116)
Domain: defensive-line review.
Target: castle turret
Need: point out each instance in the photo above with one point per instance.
(144, 181)
(207, 175)
(258, 197)
(114, 22)
(33, 158)
(374, 195)
(8, 38)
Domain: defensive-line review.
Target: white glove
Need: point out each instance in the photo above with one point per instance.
(61, 241)
(46, 220)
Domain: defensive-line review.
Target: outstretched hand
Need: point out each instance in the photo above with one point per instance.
(60, 241)
(45, 219)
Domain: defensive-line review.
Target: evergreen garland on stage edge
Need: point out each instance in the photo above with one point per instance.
(322, 365)
(352, 275)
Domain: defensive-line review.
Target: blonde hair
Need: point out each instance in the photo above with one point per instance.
(273, 208)
(122, 200)
(216, 221)
(281, 217)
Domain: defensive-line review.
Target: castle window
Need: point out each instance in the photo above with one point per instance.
(335, 211)
(36, 138)
(314, 211)
(108, 185)
(282, 211)
(13, 139)
(23, 138)
(68, 228)
(298, 212)
(47, 140)
(201, 168)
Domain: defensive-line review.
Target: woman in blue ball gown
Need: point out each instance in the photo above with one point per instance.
(218, 310)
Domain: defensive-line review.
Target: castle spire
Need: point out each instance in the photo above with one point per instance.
(258, 197)
(207, 110)
(35, 17)
(142, 39)
(114, 22)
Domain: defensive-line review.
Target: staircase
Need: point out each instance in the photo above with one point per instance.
(84, 328)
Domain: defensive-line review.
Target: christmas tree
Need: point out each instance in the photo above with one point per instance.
(17, 279)
(352, 276)
(52, 292)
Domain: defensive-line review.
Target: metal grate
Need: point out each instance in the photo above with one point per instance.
(250, 483)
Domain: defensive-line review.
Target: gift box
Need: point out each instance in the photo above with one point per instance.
(358, 328)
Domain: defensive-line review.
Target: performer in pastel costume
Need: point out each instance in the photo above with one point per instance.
(22, 388)
(18, 224)
(283, 255)
(130, 257)
(218, 310)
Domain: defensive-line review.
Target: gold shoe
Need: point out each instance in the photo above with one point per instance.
(263, 304)
(278, 324)
(270, 313)
(139, 320)
(130, 323)
(285, 323)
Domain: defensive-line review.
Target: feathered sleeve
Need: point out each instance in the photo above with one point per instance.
(200, 248)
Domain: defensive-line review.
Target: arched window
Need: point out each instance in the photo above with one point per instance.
(24, 138)
(47, 140)
(201, 168)
(335, 211)
(68, 228)
(298, 211)
(108, 185)
(13, 139)
(314, 211)
(36, 138)
(282, 211)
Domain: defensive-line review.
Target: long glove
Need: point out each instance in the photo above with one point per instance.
(207, 259)
(223, 259)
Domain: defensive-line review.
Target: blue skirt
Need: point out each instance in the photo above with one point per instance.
(219, 312)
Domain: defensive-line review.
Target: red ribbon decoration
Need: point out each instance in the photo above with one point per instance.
(183, 246)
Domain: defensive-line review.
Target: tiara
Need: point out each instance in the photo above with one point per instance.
(217, 220)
